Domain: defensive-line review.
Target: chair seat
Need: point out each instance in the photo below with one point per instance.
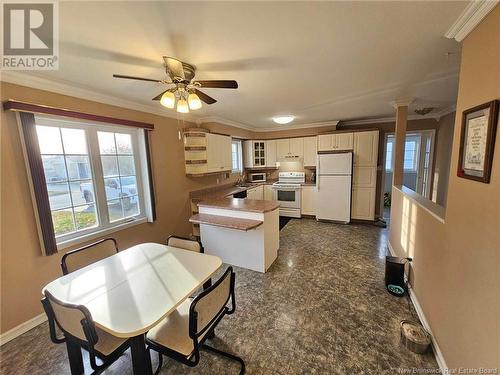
(173, 331)
(107, 343)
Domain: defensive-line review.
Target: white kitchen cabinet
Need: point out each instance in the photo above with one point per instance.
(289, 148)
(268, 193)
(256, 192)
(308, 200)
(310, 151)
(297, 147)
(363, 203)
(218, 153)
(271, 153)
(335, 142)
(366, 148)
(254, 154)
(364, 177)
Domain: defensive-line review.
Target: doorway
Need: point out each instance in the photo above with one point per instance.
(418, 161)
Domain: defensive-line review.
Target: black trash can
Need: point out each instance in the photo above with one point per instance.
(395, 275)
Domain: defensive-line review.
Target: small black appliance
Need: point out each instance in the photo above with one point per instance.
(395, 275)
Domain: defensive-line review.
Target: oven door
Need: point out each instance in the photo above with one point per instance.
(287, 197)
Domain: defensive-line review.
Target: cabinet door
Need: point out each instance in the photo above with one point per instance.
(325, 142)
(212, 153)
(271, 153)
(363, 203)
(259, 192)
(308, 200)
(366, 148)
(268, 192)
(364, 177)
(282, 148)
(228, 154)
(259, 153)
(310, 151)
(247, 154)
(297, 147)
(343, 141)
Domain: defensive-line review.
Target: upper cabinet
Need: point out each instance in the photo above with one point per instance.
(205, 152)
(335, 142)
(271, 158)
(366, 148)
(289, 148)
(310, 151)
(254, 154)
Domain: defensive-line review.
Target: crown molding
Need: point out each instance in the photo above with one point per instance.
(472, 15)
(436, 116)
(68, 89)
(223, 121)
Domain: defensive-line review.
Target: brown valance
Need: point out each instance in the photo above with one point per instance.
(15, 105)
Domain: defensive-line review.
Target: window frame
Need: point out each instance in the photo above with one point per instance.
(416, 153)
(239, 152)
(104, 225)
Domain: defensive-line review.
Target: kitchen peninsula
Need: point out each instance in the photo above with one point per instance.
(242, 232)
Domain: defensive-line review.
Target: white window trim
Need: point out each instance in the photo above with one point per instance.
(142, 179)
(240, 155)
(415, 155)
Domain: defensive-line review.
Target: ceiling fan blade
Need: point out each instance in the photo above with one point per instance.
(137, 78)
(204, 97)
(220, 84)
(174, 67)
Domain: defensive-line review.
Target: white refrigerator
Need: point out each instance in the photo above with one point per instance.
(334, 179)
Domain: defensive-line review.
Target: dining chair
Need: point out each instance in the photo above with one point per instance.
(181, 335)
(88, 254)
(188, 244)
(75, 321)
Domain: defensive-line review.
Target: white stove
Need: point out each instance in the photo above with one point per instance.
(287, 192)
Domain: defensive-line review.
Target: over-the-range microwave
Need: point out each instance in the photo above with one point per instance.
(257, 177)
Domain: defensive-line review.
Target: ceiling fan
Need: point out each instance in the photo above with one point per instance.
(184, 94)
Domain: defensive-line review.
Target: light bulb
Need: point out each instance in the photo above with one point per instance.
(182, 106)
(194, 101)
(168, 99)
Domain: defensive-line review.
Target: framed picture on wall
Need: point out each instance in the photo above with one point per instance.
(477, 142)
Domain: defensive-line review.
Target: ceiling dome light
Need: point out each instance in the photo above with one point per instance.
(194, 101)
(168, 99)
(182, 106)
(283, 119)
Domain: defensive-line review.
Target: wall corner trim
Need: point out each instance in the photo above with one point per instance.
(420, 312)
(22, 328)
(472, 15)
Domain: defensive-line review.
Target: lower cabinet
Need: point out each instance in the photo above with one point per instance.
(268, 193)
(256, 193)
(308, 200)
(363, 203)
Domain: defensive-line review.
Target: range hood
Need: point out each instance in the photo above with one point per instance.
(290, 158)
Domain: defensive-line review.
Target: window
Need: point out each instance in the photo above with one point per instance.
(94, 176)
(236, 156)
(410, 162)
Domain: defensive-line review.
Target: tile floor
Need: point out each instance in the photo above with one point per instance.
(320, 309)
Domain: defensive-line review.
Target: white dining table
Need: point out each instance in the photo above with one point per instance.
(130, 292)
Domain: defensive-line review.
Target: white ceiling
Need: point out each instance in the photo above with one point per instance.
(320, 61)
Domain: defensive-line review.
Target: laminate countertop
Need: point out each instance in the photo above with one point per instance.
(239, 204)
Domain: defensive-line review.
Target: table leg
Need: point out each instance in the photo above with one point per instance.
(141, 361)
(74, 357)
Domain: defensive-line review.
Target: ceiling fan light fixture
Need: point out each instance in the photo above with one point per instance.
(168, 99)
(283, 119)
(182, 106)
(194, 101)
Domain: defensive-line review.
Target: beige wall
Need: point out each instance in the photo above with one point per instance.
(455, 272)
(442, 158)
(24, 271)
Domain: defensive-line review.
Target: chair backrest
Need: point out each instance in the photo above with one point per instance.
(88, 254)
(210, 305)
(71, 319)
(184, 243)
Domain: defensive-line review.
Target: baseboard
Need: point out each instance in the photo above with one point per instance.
(22, 328)
(435, 347)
